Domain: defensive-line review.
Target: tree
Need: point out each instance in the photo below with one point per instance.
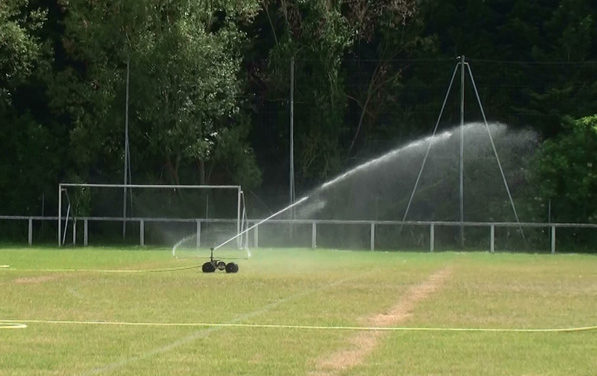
(184, 79)
(316, 35)
(321, 36)
(20, 47)
(564, 172)
(533, 60)
(384, 31)
(28, 160)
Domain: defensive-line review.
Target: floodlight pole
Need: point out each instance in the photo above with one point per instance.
(126, 148)
(291, 178)
(462, 64)
(461, 162)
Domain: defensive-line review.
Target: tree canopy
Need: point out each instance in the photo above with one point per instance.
(209, 89)
(565, 171)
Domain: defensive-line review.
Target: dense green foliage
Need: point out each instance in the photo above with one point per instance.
(565, 172)
(209, 89)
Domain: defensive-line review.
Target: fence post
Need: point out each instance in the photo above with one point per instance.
(553, 239)
(431, 237)
(313, 235)
(74, 231)
(85, 232)
(372, 246)
(198, 235)
(142, 232)
(30, 232)
(256, 236)
(59, 215)
(492, 238)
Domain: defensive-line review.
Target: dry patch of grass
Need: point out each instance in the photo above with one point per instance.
(36, 279)
(363, 343)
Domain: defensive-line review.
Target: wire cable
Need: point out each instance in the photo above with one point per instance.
(67, 270)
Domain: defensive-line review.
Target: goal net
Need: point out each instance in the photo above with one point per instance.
(184, 217)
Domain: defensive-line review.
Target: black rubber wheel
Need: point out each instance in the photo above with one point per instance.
(208, 267)
(231, 267)
(221, 265)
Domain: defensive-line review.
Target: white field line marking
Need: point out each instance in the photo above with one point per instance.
(299, 327)
(202, 333)
(8, 324)
(4, 266)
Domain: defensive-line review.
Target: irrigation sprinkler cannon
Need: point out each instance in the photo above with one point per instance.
(212, 265)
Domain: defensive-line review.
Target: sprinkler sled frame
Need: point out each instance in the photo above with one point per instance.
(212, 265)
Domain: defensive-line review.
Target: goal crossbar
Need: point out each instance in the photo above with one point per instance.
(62, 188)
(159, 186)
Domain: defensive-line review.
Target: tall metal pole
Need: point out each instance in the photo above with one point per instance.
(461, 164)
(291, 184)
(126, 148)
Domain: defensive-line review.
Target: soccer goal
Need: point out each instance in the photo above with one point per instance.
(189, 216)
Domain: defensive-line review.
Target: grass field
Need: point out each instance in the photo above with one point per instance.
(296, 312)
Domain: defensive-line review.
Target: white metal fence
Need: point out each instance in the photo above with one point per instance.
(310, 230)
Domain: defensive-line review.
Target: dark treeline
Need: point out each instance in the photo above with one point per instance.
(209, 90)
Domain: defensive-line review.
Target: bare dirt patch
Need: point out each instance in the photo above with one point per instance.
(361, 344)
(37, 279)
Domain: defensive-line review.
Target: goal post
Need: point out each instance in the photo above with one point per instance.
(85, 206)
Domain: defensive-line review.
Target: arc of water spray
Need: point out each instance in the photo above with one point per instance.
(260, 222)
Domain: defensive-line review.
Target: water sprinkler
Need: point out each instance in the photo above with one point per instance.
(212, 265)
